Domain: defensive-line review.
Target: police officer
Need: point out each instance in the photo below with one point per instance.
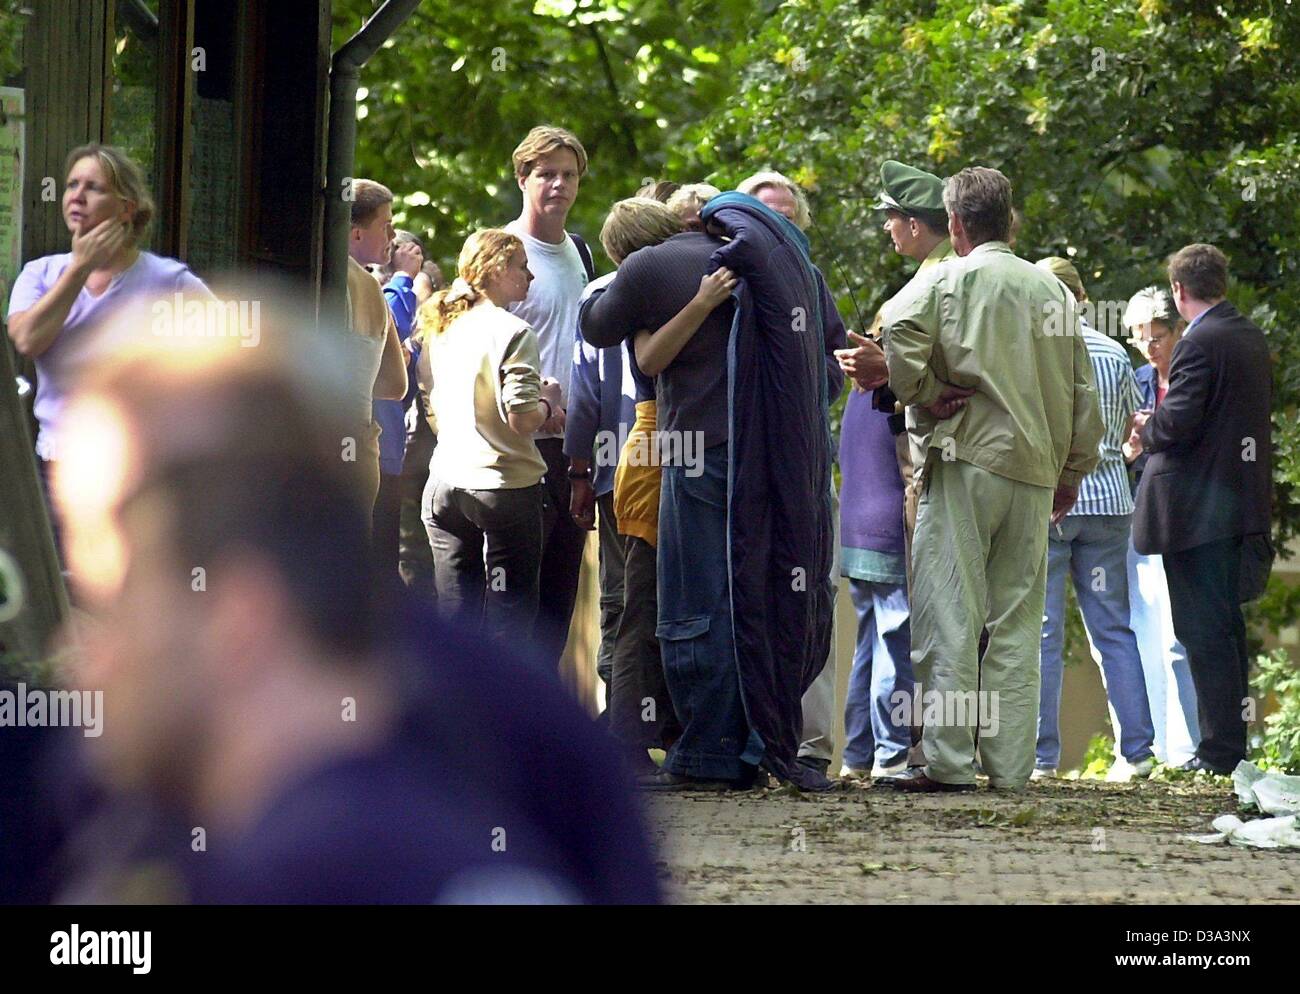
(879, 506)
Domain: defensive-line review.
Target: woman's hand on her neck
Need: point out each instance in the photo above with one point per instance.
(94, 265)
(106, 248)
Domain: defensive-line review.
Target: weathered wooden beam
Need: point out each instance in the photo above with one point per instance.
(66, 106)
(25, 533)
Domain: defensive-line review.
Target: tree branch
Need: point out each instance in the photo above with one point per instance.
(628, 139)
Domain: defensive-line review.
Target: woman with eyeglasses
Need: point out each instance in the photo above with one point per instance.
(1155, 327)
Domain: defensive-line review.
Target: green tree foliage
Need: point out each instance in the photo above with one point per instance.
(446, 100)
(1277, 744)
(1127, 128)
(12, 22)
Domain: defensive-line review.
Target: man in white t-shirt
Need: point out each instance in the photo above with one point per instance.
(549, 164)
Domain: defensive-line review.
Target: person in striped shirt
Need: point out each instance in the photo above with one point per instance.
(1091, 544)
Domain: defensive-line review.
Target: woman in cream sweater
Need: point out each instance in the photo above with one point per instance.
(483, 502)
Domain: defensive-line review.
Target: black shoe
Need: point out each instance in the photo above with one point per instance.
(817, 765)
(640, 764)
(808, 776)
(663, 782)
(891, 783)
(916, 782)
(1196, 763)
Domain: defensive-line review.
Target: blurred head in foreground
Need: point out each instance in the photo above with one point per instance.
(257, 679)
(219, 541)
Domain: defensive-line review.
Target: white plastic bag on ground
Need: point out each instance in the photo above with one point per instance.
(1262, 833)
(1271, 793)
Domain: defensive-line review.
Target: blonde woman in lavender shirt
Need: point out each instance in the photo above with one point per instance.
(58, 299)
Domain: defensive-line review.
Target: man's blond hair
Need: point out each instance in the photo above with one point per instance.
(367, 197)
(691, 198)
(542, 141)
(635, 223)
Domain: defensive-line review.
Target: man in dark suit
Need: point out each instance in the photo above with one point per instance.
(1205, 494)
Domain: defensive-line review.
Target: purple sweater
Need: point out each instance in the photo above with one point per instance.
(871, 491)
(150, 276)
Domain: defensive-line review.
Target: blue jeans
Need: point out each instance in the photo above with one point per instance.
(1093, 548)
(882, 666)
(696, 640)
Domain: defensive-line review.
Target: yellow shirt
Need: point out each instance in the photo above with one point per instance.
(637, 479)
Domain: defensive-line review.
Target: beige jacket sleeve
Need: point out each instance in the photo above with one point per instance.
(911, 336)
(424, 379)
(519, 382)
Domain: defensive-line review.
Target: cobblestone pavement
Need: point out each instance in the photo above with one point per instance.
(1055, 842)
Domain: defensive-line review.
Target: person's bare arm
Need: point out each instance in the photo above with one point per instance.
(655, 352)
(390, 381)
(34, 330)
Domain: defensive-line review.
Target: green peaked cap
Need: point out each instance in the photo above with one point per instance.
(909, 190)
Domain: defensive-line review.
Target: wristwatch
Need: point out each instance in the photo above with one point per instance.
(579, 474)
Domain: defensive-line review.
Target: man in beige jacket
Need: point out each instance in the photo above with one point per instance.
(989, 344)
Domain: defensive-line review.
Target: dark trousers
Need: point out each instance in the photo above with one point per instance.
(414, 554)
(611, 585)
(46, 469)
(487, 549)
(1203, 596)
(384, 524)
(562, 545)
(641, 711)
